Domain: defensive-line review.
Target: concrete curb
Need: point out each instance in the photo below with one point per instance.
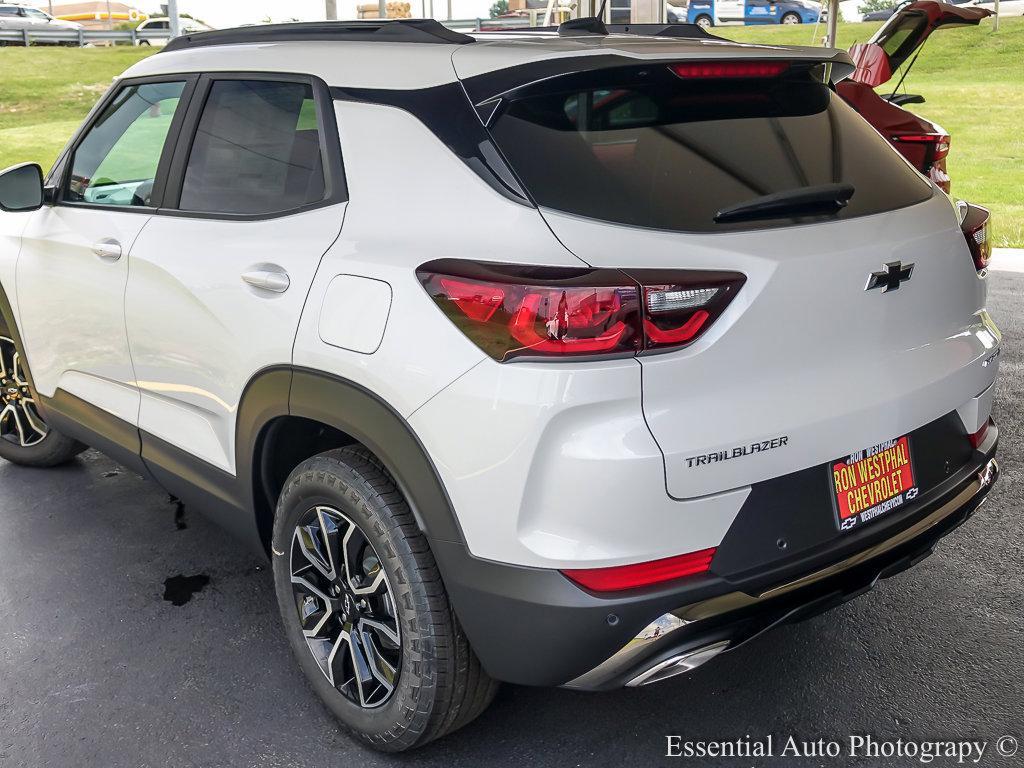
(1007, 260)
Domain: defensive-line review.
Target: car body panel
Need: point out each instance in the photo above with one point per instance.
(831, 387)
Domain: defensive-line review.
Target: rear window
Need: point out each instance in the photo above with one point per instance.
(648, 148)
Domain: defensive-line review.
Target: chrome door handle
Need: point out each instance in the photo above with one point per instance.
(268, 280)
(107, 249)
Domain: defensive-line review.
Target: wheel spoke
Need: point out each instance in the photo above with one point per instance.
(306, 613)
(32, 417)
(345, 607)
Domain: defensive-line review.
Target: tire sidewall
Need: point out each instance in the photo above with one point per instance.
(321, 482)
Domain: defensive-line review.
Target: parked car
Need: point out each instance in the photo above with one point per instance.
(712, 13)
(683, 351)
(162, 25)
(895, 45)
(22, 17)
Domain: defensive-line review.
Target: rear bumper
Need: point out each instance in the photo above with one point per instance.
(534, 627)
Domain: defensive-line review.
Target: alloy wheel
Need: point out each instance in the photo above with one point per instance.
(20, 422)
(345, 606)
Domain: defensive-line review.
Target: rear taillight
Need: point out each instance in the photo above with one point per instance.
(720, 69)
(512, 311)
(977, 438)
(937, 143)
(976, 223)
(618, 578)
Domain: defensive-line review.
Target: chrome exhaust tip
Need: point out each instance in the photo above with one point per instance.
(678, 665)
(988, 475)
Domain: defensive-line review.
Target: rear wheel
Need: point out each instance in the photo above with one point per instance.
(704, 21)
(24, 437)
(365, 609)
(791, 18)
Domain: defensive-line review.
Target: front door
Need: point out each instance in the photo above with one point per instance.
(73, 266)
(218, 280)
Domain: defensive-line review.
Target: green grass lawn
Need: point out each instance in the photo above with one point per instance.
(972, 80)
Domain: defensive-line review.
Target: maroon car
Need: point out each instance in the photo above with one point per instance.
(896, 44)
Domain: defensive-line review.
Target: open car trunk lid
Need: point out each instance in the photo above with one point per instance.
(904, 33)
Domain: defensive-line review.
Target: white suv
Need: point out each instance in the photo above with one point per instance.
(552, 358)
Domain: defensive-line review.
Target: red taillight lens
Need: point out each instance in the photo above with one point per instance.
(976, 223)
(514, 311)
(620, 577)
(939, 143)
(719, 69)
(977, 438)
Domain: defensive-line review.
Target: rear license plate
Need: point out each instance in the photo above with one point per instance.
(872, 483)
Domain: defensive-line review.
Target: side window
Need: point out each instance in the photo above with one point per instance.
(8, 11)
(256, 150)
(116, 162)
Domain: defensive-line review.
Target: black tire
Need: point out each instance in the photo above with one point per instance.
(704, 21)
(791, 18)
(440, 685)
(25, 438)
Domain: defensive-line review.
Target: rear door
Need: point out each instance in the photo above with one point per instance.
(219, 278)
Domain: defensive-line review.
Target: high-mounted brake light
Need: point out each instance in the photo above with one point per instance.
(729, 69)
(512, 311)
(976, 224)
(620, 577)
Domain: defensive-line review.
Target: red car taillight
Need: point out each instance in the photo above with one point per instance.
(620, 577)
(514, 311)
(937, 143)
(976, 223)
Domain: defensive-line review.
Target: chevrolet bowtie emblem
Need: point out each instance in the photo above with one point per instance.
(890, 277)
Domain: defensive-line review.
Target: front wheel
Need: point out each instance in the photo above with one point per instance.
(24, 437)
(791, 18)
(364, 607)
(704, 22)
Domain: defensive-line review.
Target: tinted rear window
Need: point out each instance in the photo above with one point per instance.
(647, 148)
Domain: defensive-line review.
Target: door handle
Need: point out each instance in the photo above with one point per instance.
(107, 249)
(273, 280)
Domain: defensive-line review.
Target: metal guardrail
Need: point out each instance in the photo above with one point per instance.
(133, 37)
(79, 36)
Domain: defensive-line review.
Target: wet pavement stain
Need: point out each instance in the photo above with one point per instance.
(179, 589)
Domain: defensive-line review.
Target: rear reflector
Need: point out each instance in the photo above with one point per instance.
(512, 311)
(976, 223)
(978, 437)
(730, 69)
(620, 577)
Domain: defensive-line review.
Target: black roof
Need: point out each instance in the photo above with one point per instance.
(386, 31)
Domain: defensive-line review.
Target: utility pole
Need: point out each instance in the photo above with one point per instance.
(172, 15)
(995, 19)
(830, 24)
(332, 10)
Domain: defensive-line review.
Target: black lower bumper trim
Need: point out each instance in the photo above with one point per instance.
(534, 627)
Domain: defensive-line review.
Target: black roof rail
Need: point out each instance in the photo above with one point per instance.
(383, 31)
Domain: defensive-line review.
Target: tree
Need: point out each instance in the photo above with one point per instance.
(875, 5)
(499, 8)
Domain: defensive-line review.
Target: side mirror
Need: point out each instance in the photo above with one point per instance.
(21, 188)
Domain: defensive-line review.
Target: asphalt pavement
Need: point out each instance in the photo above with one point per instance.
(133, 633)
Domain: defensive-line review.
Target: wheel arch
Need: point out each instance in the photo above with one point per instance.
(288, 415)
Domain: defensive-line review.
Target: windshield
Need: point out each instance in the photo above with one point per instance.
(650, 149)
